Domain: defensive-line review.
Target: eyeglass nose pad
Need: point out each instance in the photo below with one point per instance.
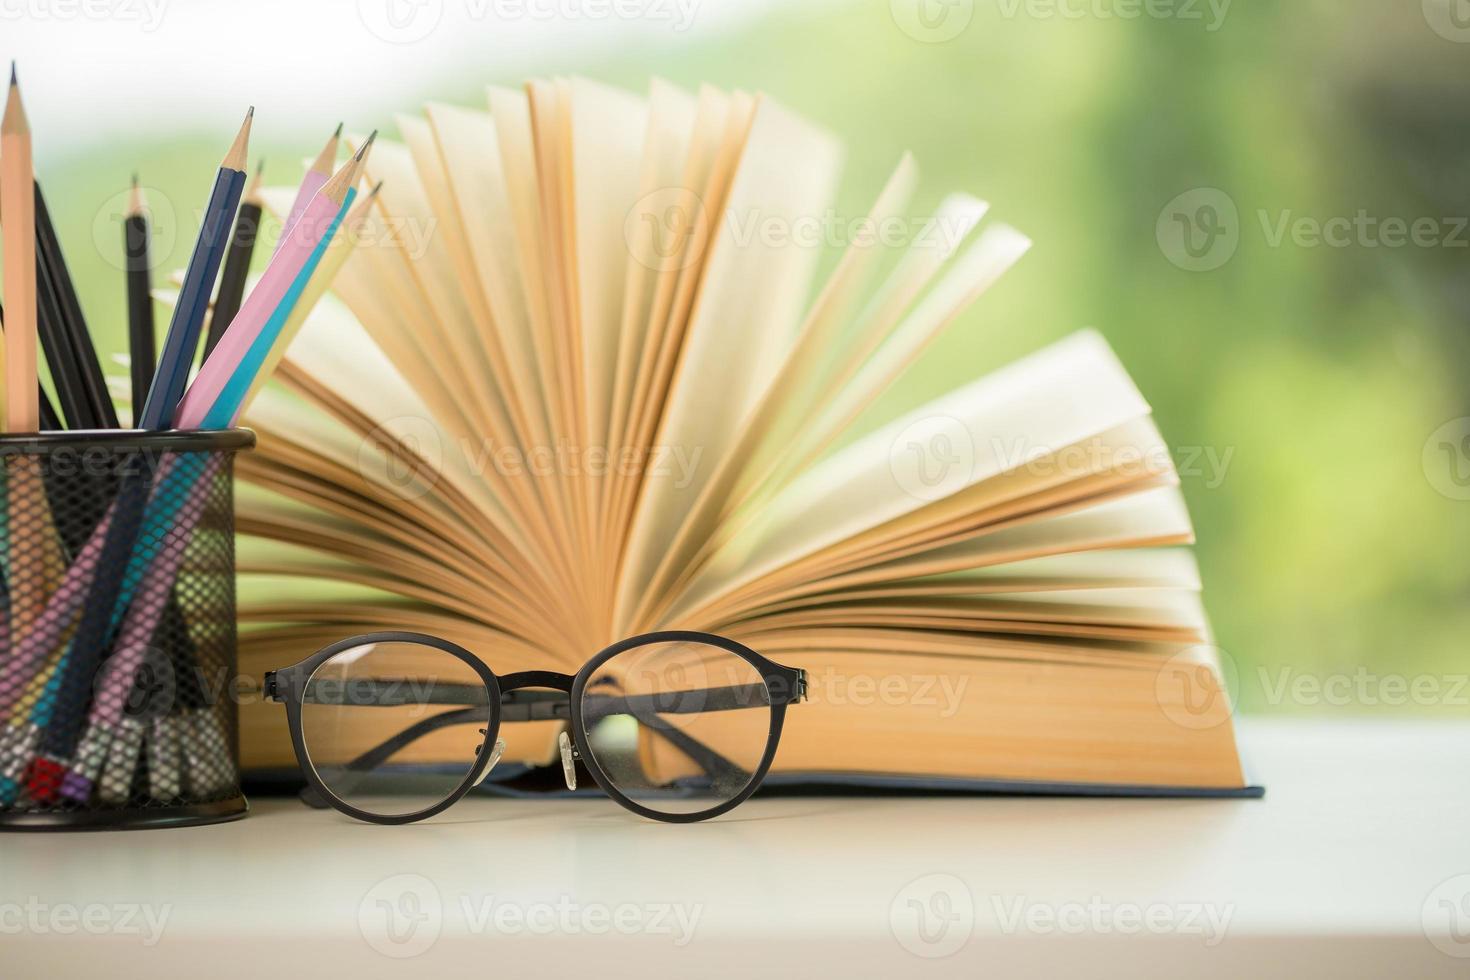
(495, 754)
(568, 759)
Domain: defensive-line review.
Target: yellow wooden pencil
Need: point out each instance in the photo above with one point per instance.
(34, 556)
(17, 203)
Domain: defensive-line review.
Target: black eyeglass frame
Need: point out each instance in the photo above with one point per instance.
(785, 685)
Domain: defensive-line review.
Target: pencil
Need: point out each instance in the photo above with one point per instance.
(29, 531)
(56, 346)
(84, 365)
(143, 361)
(142, 348)
(50, 421)
(317, 175)
(237, 264)
(17, 203)
(182, 340)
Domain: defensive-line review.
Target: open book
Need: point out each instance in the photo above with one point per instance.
(581, 379)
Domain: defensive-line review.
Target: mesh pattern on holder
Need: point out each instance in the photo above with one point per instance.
(117, 629)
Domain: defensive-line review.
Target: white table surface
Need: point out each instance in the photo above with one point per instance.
(1357, 863)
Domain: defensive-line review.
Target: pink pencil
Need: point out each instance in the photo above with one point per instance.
(317, 175)
(296, 248)
(46, 631)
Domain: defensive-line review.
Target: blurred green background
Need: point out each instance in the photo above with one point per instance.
(1306, 385)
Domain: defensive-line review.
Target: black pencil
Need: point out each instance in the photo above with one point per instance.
(237, 264)
(85, 370)
(142, 349)
(56, 344)
(57, 348)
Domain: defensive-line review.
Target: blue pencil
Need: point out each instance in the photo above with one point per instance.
(182, 341)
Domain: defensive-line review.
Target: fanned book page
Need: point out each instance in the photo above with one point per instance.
(574, 383)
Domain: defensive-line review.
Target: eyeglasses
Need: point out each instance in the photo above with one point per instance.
(676, 725)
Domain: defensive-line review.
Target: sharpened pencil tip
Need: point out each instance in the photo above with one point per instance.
(362, 150)
(14, 120)
(236, 156)
(326, 160)
(252, 193)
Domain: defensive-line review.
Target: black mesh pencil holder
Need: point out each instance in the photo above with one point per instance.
(117, 629)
